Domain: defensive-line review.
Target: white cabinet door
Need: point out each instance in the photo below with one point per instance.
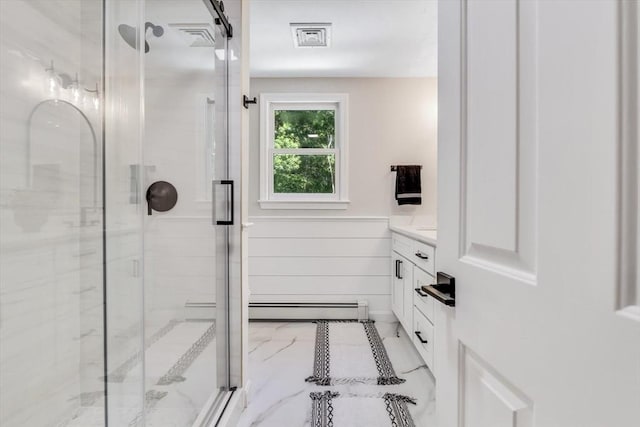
(401, 298)
(535, 106)
(397, 294)
(407, 289)
(422, 337)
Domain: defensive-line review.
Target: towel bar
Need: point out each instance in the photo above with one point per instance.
(394, 168)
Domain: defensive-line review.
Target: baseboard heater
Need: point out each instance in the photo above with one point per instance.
(358, 310)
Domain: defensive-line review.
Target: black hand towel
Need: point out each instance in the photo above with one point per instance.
(408, 185)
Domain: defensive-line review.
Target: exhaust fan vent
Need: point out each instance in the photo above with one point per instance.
(311, 34)
(197, 35)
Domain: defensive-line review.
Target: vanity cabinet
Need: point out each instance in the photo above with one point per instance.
(413, 266)
(401, 289)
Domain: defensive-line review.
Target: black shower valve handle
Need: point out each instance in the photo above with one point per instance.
(161, 196)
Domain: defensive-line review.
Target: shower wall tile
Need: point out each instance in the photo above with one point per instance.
(124, 199)
(179, 244)
(179, 263)
(48, 261)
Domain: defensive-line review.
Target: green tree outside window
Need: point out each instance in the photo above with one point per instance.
(304, 172)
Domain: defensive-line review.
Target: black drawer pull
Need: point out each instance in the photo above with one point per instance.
(421, 255)
(421, 292)
(423, 341)
(399, 269)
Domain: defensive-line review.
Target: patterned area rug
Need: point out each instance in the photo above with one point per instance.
(340, 359)
(358, 410)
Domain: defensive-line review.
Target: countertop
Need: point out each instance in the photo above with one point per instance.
(424, 234)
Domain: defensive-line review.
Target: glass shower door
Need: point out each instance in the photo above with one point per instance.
(110, 316)
(222, 203)
(186, 251)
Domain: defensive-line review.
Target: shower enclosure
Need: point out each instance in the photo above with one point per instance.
(115, 299)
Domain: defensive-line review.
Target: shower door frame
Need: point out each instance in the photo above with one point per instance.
(229, 232)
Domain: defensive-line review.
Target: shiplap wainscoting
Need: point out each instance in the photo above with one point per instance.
(321, 259)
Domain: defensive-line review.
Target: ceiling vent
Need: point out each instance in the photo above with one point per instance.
(197, 35)
(311, 34)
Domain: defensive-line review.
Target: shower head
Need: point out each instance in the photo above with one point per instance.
(157, 30)
(129, 34)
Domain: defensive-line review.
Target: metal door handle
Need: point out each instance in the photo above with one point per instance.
(421, 255)
(423, 341)
(444, 290)
(230, 205)
(399, 269)
(421, 293)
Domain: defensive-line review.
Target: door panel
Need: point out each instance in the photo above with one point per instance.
(489, 400)
(529, 120)
(498, 197)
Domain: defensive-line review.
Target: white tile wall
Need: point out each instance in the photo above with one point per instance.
(50, 263)
(180, 243)
(124, 199)
(51, 271)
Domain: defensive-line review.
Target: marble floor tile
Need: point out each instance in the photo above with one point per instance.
(281, 357)
(174, 403)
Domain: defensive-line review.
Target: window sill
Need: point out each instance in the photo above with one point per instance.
(304, 204)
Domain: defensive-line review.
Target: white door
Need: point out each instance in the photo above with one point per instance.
(537, 214)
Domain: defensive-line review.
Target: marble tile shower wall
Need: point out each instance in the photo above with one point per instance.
(50, 218)
(125, 210)
(180, 243)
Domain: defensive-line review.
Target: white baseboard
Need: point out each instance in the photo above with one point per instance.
(247, 391)
(383, 316)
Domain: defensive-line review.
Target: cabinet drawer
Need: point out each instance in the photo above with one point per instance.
(424, 257)
(402, 245)
(423, 303)
(423, 331)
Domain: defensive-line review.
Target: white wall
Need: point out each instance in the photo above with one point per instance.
(344, 255)
(391, 121)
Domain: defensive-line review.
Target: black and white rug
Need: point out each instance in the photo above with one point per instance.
(331, 408)
(351, 352)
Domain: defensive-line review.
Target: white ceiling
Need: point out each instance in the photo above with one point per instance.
(370, 38)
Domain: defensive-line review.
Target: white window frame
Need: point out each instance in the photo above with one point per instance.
(269, 103)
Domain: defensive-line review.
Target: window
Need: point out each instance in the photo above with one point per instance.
(303, 144)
